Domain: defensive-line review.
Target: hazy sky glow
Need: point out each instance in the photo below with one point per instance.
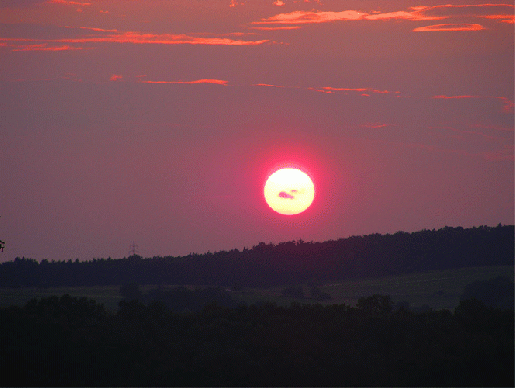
(159, 121)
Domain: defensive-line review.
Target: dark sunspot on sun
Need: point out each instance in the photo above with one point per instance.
(284, 194)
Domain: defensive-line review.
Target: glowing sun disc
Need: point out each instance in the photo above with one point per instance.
(289, 191)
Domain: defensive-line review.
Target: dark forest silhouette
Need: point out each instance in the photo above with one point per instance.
(71, 341)
(179, 336)
(287, 263)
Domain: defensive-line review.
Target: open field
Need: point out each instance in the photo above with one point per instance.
(437, 289)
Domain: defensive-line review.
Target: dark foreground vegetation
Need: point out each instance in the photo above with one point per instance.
(287, 263)
(200, 336)
(66, 341)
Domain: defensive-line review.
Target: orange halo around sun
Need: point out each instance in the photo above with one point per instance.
(289, 191)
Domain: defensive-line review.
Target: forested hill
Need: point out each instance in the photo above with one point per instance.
(283, 263)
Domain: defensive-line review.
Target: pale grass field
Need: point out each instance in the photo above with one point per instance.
(437, 289)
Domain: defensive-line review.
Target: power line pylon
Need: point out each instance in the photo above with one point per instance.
(133, 251)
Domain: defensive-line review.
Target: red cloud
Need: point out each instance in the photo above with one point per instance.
(417, 13)
(140, 38)
(70, 3)
(330, 89)
(451, 97)
(464, 9)
(276, 28)
(44, 47)
(269, 85)
(413, 15)
(508, 105)
(374, 125)
(344, 89)
(451, 27)
(97, 29)
(115, 77)
(304, 17)
(506, 18)
(234, 3)
(198, 81)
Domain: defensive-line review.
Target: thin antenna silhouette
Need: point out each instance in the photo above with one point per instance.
(133, 251)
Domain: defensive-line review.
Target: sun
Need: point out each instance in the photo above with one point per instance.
(289, 191)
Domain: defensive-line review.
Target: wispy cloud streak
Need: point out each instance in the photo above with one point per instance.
(508, 104)
(454, 97)
(198, 81)
(311, 17)
(113, 36)
(504, 18)
(416, 13)
(275, 28)
(451, 27)
(44, 47)
(82, 4)
(366, 92)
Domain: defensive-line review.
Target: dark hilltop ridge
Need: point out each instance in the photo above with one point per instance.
(291, 262)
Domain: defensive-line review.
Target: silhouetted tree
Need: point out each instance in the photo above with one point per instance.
(181, 299)
(375, 304)
(130, 292)
(496, 292)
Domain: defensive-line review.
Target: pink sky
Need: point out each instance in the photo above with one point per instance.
(158, 121)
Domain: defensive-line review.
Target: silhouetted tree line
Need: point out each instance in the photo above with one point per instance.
(71, 341)
(178, 299)
(285, 263)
